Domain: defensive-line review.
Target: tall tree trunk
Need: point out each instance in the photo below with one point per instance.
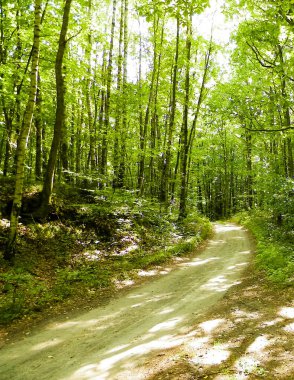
(199, 103)
(78, 144)
(106, 126)
(118, 118)
(89, 83)
(141, 126)
(122, 165)
(101, 118)
(8, 125)
(165, 178)
(249, 174)
(144, 125)
(289, 164)
(23, 137)
(38, 126)
(184, 132)
(154, 119)
(60, 113)
(2, 139)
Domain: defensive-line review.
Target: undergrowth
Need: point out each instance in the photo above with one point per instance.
(274, 245)
(90, 241)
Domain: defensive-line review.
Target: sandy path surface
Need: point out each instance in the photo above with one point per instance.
(120, 340)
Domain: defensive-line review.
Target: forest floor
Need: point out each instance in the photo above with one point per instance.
(204, 318)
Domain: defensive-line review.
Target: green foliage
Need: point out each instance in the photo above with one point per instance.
(89, 246)
(274, 255)
(90, 276)
(282, 202)
(20, 292)
(184, 247)
(194, 225)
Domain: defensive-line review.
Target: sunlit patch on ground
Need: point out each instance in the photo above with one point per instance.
(249, 337)
(238, 266)
(211, 356)
(287, 312)
(167, 325)
(119, 348)
(246, 366)
(50, 343)
(227, 228)
(241, 315)
(100, 370)
(179, 259)
(65, 325)
(271, 323)
(214, 243)
(166, 311)
(197, 262)
(147, 273)
(259, 344)
(94, 324)
(123, 283)
(290, 328)
(245, 252)
(219, 284)
(199, 342)
(209, 326)
(165, 271)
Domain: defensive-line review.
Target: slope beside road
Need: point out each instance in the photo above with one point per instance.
(120, 340)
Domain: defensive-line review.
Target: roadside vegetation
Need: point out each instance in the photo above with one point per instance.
(90, 241)
(274, 245)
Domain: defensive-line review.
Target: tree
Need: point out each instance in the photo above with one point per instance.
(60, 112)
(23, 136)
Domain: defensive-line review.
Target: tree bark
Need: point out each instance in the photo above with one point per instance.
(23, 137)
(165, 178)
(60, 114)
(144, 125)
(106, 124)
(118, 119)
(184, 132)
(38, 126)
(122, 164)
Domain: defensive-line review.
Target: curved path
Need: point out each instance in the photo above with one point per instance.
(117, 341)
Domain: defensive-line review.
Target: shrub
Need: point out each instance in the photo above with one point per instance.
(20, 292)
(274, 253)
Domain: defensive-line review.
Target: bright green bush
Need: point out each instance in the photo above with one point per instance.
(194, 225)
(274, 252)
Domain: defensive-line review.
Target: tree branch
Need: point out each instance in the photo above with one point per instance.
(259, 57)
(269, 130)
(75, 35)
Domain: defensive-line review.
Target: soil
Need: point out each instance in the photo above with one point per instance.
(211, 317)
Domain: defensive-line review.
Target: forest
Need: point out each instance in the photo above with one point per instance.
(125, 130)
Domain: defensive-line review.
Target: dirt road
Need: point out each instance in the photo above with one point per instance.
(120, 340)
